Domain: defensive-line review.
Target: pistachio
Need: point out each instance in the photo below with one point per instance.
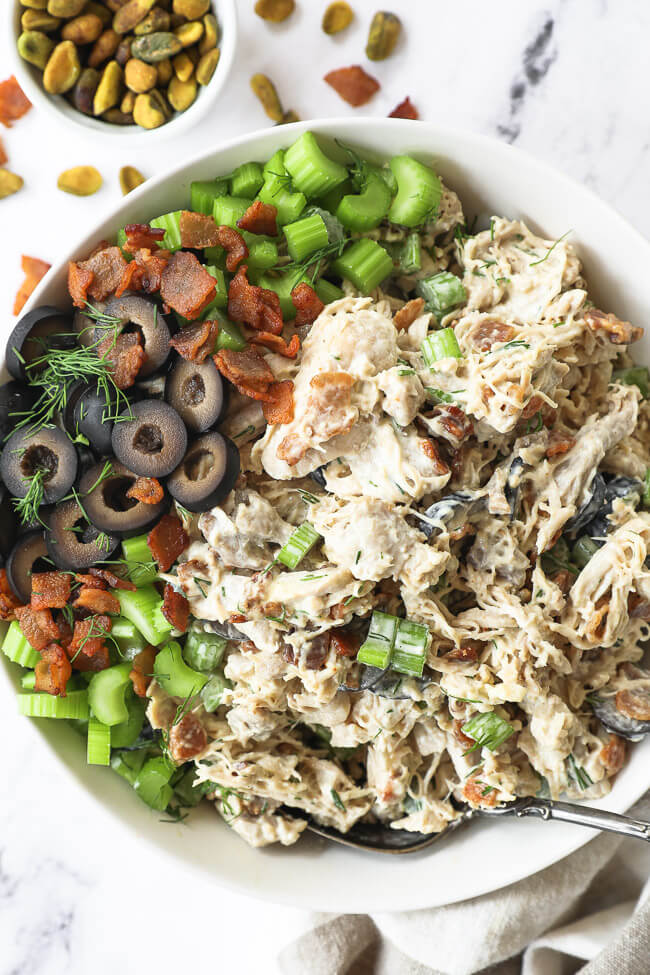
(82, 30)
(274, 10)
(80, 180)
(116, 117)
(210, 37)
(190, 33)
(207, 66)
(183, 66)
(127, 103)
(131, 14)
(109, 88)
(100, 10)
(264, 88)
(140, 76)
(123, 52)
(62, 69)
(9, 183)
(176, 20)
(337, 17)
(148, 111)
(65, 8)
(156, 47)
(35, 46)
(34, 4)
(38, 20)
(181, 94)
(191, 9)
(104, 48)
(165, 71)
(156, 19)
(130, 177)
(115, 5)
(83, 93)
(383, 35)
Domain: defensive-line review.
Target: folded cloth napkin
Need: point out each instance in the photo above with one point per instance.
(593, 907)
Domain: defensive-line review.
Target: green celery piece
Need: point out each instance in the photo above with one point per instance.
(419, 192)
(212, 693)
(365, 263)
(377, 649)
(305, 236)
(489, 730)
(170, 222)
(283, 285)
(142, 608)
(203, 650)
(328, 292)
(440, 345)
(410, 648)
(204, 192)
(311, 170)
(73, 705)
(140, 564)
(174, 675)
(17, 648)
(277, 190)
(129, 640)
(634, 376)
(126, 733)
(229, 335)
(247, 179)
(363, 211)
(442, 293)
(152, 783)
(107, 692)
(98, 747)
(128, 764)
(301, 541)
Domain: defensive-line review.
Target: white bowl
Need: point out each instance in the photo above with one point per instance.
(491, 177)
(31, 81)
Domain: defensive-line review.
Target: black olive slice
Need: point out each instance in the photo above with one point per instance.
(74, 392)
(42, 328)
(152, 443)
(91, 417)
(206, 474)
(87, 329)
(16, 401)
(27, 452)
(8, 524)
(28, 555)
(107, 506)
(196, 391)
(74, 544)
(151, 323)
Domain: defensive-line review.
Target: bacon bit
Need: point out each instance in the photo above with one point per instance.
(318, 651)
(430, 448)
(280, 408)
(35, 270)
(488, 333)
(596, 626)
(97, 600)
(185, 285)
(277, 344)
(114, 581)
(253, 305)
(405, 109)
(408, 313)
(634, 703)
(467, 652)
(149, 490)
(344, 642)
(560, 444)
(144, 273)
(142, 235)
(248, 370)
(238, 618)
(4, 158)
(563, 580)
(198, 230)
(79, 280)
(50, 590)
(87, 649)
(176, 608)
(534, 405)
(234, 245)
(462, 532)
(187, 738)
(107, 267)
(308, 304)
(260, 218)
(14, 103)
(196, 342)
(353, 84)
(141, 673)
(8, 599)
(617, 331)
(456, 423)
(166, 541)
(37, 626)
(612, 755)
(460, 735)
(85, 579)
(124, 356)
(53, 671)
(479, 794)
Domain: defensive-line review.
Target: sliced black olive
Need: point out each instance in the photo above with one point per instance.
(91, 417)
(107, 506)
(8, 524)
(513, 483)
(619, 724)
(206, 474)
(318, 476)
(450, 512)
(16, 401)
(48, 450)
(28, 555)
(151, 323)
(196, 391)
(228, 631)
(86, 458)
(74, 544)
(387, 683)
(589, 509)
(42, 328)
(629, 488)
(86, 327)
(153, 441)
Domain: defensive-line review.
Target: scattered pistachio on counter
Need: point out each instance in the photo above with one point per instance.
(9, 183)
(274, 10)
(130, 178)
(337, 17)
(80, 180)
(383, 35)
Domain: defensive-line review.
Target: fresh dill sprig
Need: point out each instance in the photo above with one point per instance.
(27, 508)
(315, 260)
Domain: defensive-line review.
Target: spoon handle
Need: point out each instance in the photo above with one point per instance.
(569, 812)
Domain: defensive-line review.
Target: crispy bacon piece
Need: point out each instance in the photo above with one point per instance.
(8, 600)
(4, 158)
(430, 448)
(107, 267)
(280, 408)
(198, 230)
(149, 490)
(35, 270)
(85, 579)
(405, 109)
(617, 331)
(37, 626)
(141, 674)
(634, 703)
(79, 280)
(176, 608)
(467, 652)
(456, 423)
(460, 735)
(612, 755)
(234, 245)
(53, 671)
(253, 305)
(142, 235)
(14, 103)
(248, 370)
(144, 272)
(97, 600)
(406, 315)
(308, 304)
(276, 343)
(488, 333)
(185, 285)
(560, 443)
(260, 218)
(353, 84)
(125, 357)
(166, 541)
(50, 590)
(115, 581)
(196, 342)
(477, 793)
(187, 738)
(344, 642)
(533, 406)
(88, 650)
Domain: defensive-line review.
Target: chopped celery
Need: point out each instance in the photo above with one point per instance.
(98, 746)
(229, 335)
(365, 263)
(173, 674)
(442, 293)
(140, 564)
(142, 608)
(419, 192)
(634, 376)
(488, 730)
(152, 783)
(128, 764)
(247, 179)
(583, 551)
(204, 192)
(305, 236)
(212, 692)
(377, 648)
(188, 792)
(203, 650)
(410, 648)
(228, 210)
(335, 229)
(262, 251)
(364, 210)
(410, 256)
(277, 190)
(28, 681)
(170, 222)
(311, 170)
(129, 640)
(126, 733)
(327, 291)
(17, 648)
(73, 705)
(107, 692)
(301, 541)
(333, 197)
(221, 298)
(440, 345)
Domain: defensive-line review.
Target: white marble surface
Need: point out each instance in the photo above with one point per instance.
(568, 81)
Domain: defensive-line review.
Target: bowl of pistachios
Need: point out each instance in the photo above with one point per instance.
(128, 69)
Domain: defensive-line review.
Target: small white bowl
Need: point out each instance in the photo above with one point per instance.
(57, 106)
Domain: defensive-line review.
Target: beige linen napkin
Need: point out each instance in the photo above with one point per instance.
(593, 906)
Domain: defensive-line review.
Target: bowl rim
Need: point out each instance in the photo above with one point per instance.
(435, 135)
(128, 136)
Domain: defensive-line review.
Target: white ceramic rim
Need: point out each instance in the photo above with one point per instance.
(291, 876)
(128, 135)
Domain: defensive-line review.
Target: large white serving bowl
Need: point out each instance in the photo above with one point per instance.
(490, 177)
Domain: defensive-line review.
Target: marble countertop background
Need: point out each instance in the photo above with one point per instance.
(567, 80)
